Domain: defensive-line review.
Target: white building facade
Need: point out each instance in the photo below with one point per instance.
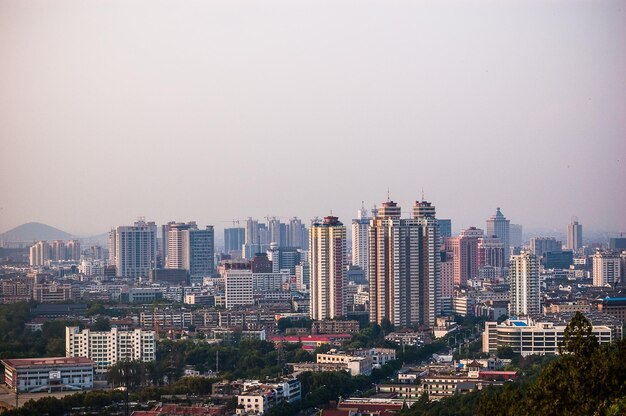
(525, 294)
(106, 348)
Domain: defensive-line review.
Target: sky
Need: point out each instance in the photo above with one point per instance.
(220, 110)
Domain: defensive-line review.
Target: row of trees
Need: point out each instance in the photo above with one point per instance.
(16, 341)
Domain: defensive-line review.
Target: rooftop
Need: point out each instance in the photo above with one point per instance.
(27, 362)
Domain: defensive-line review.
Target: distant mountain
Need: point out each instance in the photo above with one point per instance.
(34, 231)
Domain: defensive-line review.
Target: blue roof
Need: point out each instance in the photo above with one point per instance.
(519, 323)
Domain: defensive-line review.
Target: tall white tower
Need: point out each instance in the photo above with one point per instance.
(525, 287)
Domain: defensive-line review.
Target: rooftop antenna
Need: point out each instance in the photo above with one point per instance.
(388, 199)
(422, 193)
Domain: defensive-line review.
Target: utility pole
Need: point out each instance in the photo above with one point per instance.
(17, 393)
(126, 378)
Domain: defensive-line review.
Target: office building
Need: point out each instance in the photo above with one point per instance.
(176, 277)
(106, 348)
(234, 239)
(201, 249)
(283, 258)
(574, 235)
(525, 295)
(360, 245)
(191, 249)
(239, 287)
(135, 248)
(490, 252)
(327, 244)
(445, 227)
(606, 268)
(498, 225)
(542, 245)
(617, 243)
(561, 259)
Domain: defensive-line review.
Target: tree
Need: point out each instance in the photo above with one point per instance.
(101, 324)
(578, 337)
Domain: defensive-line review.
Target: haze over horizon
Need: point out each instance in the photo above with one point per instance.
(214, 111)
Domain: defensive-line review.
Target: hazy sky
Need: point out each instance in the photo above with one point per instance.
(216, 110)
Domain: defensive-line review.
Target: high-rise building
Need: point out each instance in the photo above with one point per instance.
(498, 225)
(274, 227)
(490, 252)
(542, 245)
(135, 248)
(191, 249)
(574, 235)
(201, 257)
(447, 275)
(303, 274)
(403, 268)
(606, 268)
(464, 249)
(515, 235)
(72, 250)
(58, 251)
(234, 238)
(39, 253)
(525, 295)
(445, 227)
(429, 266)
(252, 231)
(297, 234)
(359, 240)
(284, 258)
(327, 244)
(177, 242)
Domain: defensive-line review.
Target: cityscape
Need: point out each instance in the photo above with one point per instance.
(347, 208)
(392, 300)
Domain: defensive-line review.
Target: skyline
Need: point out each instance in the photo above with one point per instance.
(214, 112)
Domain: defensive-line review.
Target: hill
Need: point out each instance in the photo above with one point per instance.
(34, 231)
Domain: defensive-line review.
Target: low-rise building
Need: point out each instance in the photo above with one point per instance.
(544, 335)
(615, 307)
(355, 364)
(329, 326)
(31, 375)
(257, 398)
